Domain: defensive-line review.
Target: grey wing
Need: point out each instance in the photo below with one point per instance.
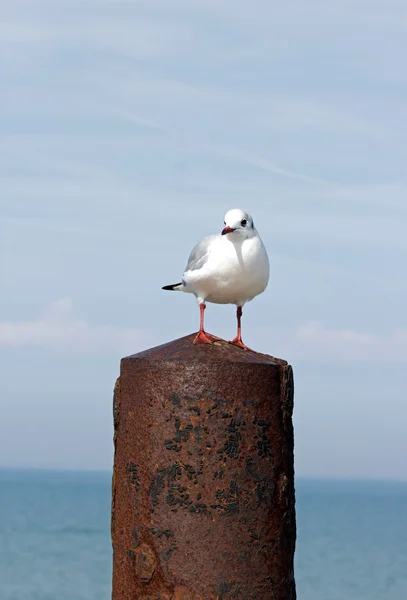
(199, 254)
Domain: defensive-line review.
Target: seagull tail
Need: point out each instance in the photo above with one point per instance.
(175, 287)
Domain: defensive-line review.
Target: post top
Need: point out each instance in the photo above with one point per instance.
(220, 351)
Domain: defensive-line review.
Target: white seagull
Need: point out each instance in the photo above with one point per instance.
(228, 268)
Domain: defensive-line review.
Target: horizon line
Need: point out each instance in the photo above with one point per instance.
(315, 478)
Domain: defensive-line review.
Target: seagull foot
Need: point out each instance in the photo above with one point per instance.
(237, 342)
(213, 337)
(204, 338)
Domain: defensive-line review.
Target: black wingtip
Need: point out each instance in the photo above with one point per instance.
(172, 287)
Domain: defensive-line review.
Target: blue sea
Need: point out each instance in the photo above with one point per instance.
(55, 538)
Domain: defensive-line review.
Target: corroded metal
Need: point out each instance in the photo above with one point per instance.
(203, 486)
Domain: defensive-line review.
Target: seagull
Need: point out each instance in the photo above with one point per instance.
(228, 268)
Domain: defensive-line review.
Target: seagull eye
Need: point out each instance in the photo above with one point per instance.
(243, 222)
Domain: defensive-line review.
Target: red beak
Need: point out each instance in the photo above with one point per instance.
(227, 230)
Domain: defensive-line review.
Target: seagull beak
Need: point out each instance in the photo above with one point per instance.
(227, 230)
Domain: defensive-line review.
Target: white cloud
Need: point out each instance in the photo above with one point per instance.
(314, 341)
(314, 331)
(59, 328)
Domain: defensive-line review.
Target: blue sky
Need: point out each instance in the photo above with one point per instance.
(127, 130)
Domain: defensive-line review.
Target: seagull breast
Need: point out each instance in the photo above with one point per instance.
(236, 270)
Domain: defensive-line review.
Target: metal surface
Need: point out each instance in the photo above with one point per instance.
(203, 484)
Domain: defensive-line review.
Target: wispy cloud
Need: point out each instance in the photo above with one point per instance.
(59, 328)
(296, 115)
(271, 167)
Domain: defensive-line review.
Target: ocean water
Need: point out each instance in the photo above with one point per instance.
(55, 538)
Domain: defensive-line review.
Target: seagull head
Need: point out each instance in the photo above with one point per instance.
(239, 223)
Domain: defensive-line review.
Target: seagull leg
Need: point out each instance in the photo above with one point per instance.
(238, 339)
(202, 337)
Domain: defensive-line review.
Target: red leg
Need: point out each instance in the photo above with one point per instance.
(238, 339)
(202, 337)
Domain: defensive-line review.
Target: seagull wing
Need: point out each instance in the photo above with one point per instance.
(199, 254)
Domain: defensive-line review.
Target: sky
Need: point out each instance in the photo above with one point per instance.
(127, 130)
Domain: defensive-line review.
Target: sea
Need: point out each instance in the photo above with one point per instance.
(55, 538)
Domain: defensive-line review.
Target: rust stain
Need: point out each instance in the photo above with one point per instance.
(182, 593)
(145, 563)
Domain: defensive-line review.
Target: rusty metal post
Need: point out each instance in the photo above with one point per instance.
(203, 484)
